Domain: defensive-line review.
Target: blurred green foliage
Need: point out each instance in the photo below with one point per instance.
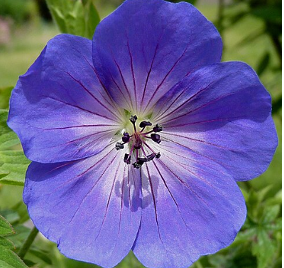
(18, 10)
(75, 17)
(251, 32)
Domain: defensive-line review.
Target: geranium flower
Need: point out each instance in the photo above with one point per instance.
(138, 138)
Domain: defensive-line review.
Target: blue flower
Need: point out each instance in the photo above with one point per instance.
(138, 138)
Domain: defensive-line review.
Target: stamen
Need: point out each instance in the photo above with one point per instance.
(139, 162)
(119, 146)
(151, 156)
(137, 141)
(144, 124)
(125, 137)
(127, 158)
(157, 128)
(133, 119)
(156, 138)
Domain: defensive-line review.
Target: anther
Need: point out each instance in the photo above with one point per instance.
(136, 165)
(158, 155)
(144, 124)
(127, 158)
(125, 137)
(119, 146)
(133, 119)
(157, 128)
(140, 161)
(156, 138)
(151, 156)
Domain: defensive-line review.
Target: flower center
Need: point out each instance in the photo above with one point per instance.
(137, 142)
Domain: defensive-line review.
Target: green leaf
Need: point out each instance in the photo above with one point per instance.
(13, 163)
(277, 105)
(5, 227)
(268, 13)
(21, 235)
(9, 259)
(276, 226)
(92, 19)
(7, 137)
(264, 249)
(58, 17)
(13, 167)
(10, 215)
(5, 242)
(75, 17)
(22, 211)
(271, 213)
(193, 2)
(5, 93)
(263, 63)
(41, 255)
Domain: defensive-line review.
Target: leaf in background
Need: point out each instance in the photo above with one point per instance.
(22, 211)
(250, 38)
(276, 105)
(268, 13)
(5, 227)
(264, 249)
(13, 163)
(7, 137)
(58, 17)
(92, 18)
(8, 259)
(193, 2)
(78, 17)
(10, 215)
(270, 213)
(5, 93)
(13, 167)
(4, 242)
(263, 63)
(43, 255)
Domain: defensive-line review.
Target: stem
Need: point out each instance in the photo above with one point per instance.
(27, 244)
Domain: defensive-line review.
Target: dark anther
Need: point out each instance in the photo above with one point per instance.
(119, 146)
(158, 155)
(139, 162)
(156, 138)
(125, 137)
(127, 158)
(133, 119)
(138, 144)
(151, 156)
(157, 128)
(136, 165)
(144, 124)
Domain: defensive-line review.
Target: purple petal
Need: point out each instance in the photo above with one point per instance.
(191, 207)
(91, 208)
(222, 112)
(59, 109)
(145, 47)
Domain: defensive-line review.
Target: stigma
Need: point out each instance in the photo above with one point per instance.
(138, 141)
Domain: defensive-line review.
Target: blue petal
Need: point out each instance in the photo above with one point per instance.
(145, 47)
(222, 112)
(190, 208)
(59, 109)
(91, 208)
